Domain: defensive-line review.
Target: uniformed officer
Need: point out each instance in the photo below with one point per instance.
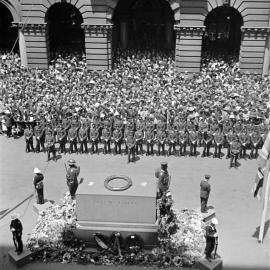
(211, 238)
(207, 142)
(235, 150)
(182, 140)
(62, 139)
(83, 138)
(72, 137)
(94, 138)
(50, 144)
(131, 143)
(172, 141)
(149, 139)
(205, 189)
(40, 137)
(106, 138)
(16, 228)
(164, 179)
(193, 140)
(244, 140)
(160, 140)
(28, 135)
(219, 140)
(255, 139)
(230, 138)
(139, 141)
(117, 139)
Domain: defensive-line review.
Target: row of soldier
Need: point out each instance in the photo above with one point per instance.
(134, 134)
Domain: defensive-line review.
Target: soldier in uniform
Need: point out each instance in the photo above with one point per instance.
(94, 138)
(161, 139)
(40, 137)
(62, 139)
(28, 135)
(219, 140)
(255, 139)
(106, 138)
(139, 141)
(244, 140)
(149, 139)
(211, 237)
(235, 150)
(238, 127)
(83, 138)
(205, 189)
(193, 140)
(163, 179)
(16, 228)
(131, 143)
(182, 140)
(66, 123)
(207, 141)
(50, 144)
(172, 140)
(203, 127)
(230, 138)
(72, 137)
(117, 139)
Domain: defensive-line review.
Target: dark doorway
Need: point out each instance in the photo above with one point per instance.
(222, 36)
(64, 30)
(8, 34)
(143, 24)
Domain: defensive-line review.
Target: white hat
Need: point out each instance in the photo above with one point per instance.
(214, 221)
(14, 216)
(37, 170)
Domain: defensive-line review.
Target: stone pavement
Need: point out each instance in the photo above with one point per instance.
(238, 213)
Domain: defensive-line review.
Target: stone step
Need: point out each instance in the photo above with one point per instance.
(215, 264)
(20, 260)
(211, 213)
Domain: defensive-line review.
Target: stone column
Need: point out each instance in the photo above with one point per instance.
(169, 35)
(188, 48)
(22, 47)
(266, 61)
(98, 46)
(253, 48)
(124, 34)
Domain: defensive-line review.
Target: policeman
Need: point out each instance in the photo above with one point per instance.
(235, 150)
(207, 141)
(172, 141)
(139, 141)
(106, 138)
(94, 138)
(72, 177)
(62, 139)
(182, 139)
(160, 140)
(72, 137)
(28, 135)
(244, 140)
(149, 139)
(163, 179)
(83, 138)
(211, 238)
(219, 140)
(205, 189)
(16, 228)
(40, 137)
(131, 143)
(255, 139)
(50, 144)
(193, 139)
(117, 139)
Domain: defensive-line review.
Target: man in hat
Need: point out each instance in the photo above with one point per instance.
(211, 239)
(235, 150)
(204, 192)
(28, 135)
(164, 179)
(50, 144)
(73, 172)
(38, 184)
(16, 228)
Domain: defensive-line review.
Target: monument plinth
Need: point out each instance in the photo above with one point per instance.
(99, 209)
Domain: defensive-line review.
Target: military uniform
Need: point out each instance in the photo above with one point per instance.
(235, 150)
(207, 141)
(40, 137)
(131, 143)
(72, 178)
(66, 124)
(50, 144)
(205, 189)
(139, 141)
(255, 139)
(149, 138)
(230, 138)
(83, 138)
(62, 139)
(28, 135)
(117, 138)
(219, 140)
(94, 138)
(72, 136)
(163, 179)
(182, 140)
(244, 140)
(106, 138)
(193, 140)
(161, 139)
(238, 128)
(211, 240)
(172, 141)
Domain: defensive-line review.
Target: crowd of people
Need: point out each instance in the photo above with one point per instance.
(141, 102)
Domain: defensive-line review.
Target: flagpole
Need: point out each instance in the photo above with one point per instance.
(265, 203)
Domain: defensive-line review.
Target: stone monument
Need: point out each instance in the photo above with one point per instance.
(121, 204)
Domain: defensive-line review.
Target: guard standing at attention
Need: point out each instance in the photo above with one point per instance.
(16, 228)
(211, 239)
(204, 192)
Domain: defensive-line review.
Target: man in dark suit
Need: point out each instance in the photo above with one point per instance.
(204, 193)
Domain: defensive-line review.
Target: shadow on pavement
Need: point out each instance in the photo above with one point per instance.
(266, 227)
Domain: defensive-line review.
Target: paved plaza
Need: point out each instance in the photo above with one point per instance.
(238, 213)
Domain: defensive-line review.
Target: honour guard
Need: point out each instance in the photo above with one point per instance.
(163, 179)
(83, 138)
(16, 228)
(94, 138)
(117, 139)
(62, 139)
(139, 141)
(207, 141)
(149, 138)
(244, 140)
(193, 139)
(28, 135)
(255, 139)
(219, 140)
(182, 139)
(235, 150)
(211, 237)
(131, 146)
(72, 137)
(72, 177)
(40, 137)
(106, 138)
(50, 144)
(205, 189)
(161, 139)
(230, 138)
(172, 140)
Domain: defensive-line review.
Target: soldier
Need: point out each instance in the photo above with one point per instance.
(190, 126)
(28, 135)
(66, 123)
(72, 137)
(131, 143)
(203, 127)
(106, 138)
(172, 140)
(182, 139)
(214, 127)
(126, 132)
(50, 144)
(140, 125)
(230, 138)
(238, 127)
(38, 184)
(149, 126)
(83, 138)
(235, 150)
(193, 139)
(16, 228)
(117, 139)
(255, 142)
(219, 140)
(205, 189)
(139, 141)
(94, 138)
(207, 141)
(161, 139)
(163, 179)
(62, 139)
(149, 138)
(244, 140)
(40, 137)
(211, 238)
